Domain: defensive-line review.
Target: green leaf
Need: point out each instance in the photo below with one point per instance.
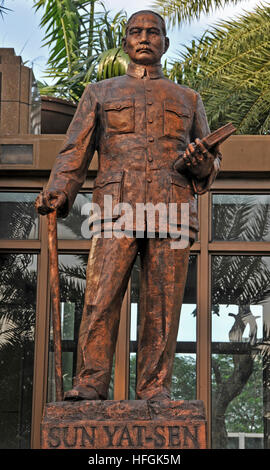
(229, 66)
(77, 35)
(184, 11)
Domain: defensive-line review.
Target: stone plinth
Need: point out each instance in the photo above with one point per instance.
(131, 424)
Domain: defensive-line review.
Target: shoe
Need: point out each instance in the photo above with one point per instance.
(81, 393)
(160, 397)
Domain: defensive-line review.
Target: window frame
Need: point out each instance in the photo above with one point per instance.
(229, 248)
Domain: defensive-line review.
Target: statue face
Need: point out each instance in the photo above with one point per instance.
(145, 42)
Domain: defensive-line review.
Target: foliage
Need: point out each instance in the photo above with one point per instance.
(18, 279)
(240, 280)
(112, 63)
(229, 66)
(3, 8)
(85, 45)
(181, 11)
(245, 411)
(184, 377)
(247, 212)
(18, 298)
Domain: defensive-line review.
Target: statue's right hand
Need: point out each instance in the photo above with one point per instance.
(48, 201)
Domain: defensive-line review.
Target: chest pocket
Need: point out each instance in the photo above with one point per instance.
(176, 119)
(119, 116)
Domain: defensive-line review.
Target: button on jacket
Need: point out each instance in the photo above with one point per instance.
(139, 123)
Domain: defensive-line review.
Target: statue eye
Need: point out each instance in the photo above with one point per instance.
(135, 31)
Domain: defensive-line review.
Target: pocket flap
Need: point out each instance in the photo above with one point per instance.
(112, 177)
(179, 180)
(178, 108)
(117, 105)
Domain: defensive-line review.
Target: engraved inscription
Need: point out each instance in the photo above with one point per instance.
(131, 435)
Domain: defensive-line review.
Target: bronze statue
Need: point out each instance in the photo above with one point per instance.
(140, 124)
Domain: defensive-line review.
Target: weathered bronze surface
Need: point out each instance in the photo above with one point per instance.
(55, 302)
(140, 124)
(130, 424)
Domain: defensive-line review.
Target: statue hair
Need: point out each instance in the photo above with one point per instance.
(163, 25)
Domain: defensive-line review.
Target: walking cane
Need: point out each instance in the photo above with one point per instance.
(55, 302)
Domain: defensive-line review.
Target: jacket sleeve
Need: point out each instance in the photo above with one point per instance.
(70, 168)
(200, 129)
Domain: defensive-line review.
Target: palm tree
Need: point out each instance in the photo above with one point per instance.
(229, 66)
(85, 44)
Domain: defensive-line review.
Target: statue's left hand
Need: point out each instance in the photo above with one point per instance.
(48, 201)
(198, 160)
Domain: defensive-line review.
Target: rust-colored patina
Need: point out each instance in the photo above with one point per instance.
(132, 424)
(140, 124)
(55, 302)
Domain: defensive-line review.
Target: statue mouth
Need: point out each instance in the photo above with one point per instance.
(144, 49)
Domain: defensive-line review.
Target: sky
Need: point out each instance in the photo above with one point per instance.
(20, 28)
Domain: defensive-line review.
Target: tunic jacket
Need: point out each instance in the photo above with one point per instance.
(138, 123)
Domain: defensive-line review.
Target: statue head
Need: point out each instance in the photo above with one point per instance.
(145, 40)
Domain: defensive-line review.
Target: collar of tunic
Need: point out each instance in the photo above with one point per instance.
(141, 71)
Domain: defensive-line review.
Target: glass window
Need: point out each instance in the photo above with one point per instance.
(183, 383)
(75, 225)
(16, 154)
(184, 377)
(241, 217)
(184, 371)
(72, 270)
(18, 279)
(18, 217)
(240, 348)
(134, 315)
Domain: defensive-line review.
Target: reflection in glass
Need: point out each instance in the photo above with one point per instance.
(241, 217)
(185, 358)
(132, 376)
(240, 348)
(187, 325)
(75, 225)
(18, 218)
(16, 154)
(18, 278)
(72, 270)
(243, 440)
(184, 377)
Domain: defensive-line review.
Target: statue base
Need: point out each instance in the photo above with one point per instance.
(125, 424)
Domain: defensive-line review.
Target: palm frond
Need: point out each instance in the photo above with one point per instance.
(112, 63)
(3, 9)
(178, 12)
(79, 37)
(229, 66)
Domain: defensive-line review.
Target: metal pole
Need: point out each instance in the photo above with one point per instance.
(55, 302)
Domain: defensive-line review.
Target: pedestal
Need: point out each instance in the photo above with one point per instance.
(125, 424)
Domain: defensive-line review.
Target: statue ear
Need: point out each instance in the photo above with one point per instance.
(124, 43)
(167, 44)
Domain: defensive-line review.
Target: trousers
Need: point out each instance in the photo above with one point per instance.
(162, 283)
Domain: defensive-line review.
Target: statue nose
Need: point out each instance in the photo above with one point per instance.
(144, 37)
